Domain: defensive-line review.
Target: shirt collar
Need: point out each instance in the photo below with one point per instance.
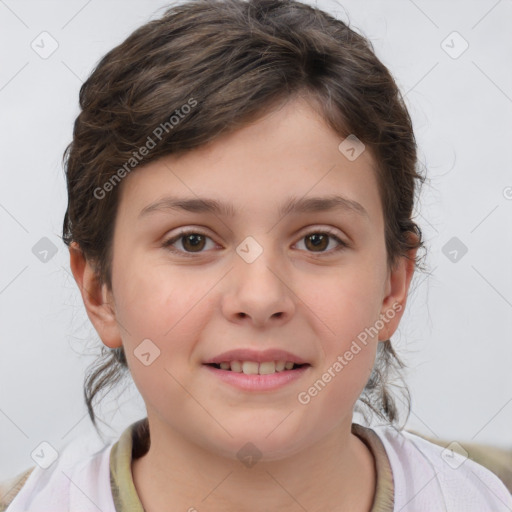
(384, 492)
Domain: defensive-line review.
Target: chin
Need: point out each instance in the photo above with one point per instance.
(256, 444)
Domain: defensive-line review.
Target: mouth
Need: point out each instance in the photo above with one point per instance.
(257, 371)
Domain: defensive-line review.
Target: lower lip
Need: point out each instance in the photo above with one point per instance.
(268, 382)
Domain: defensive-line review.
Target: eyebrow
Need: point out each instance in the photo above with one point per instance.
(293, 205)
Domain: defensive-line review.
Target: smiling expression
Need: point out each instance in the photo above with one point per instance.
(267, 239)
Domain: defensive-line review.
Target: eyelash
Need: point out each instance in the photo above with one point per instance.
(167, 244)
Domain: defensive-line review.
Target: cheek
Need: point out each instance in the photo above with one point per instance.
(168, 307)
(157, 301)
(348, 300)
(349, 350)
(334, 392)
(348, 306)
(161, 307)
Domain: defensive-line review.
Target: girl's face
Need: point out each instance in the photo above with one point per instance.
(275, 268)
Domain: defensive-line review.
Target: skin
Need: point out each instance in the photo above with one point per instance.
(310, 301)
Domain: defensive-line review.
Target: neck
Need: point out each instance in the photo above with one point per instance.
(336, 473)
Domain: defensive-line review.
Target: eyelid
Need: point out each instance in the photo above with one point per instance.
(168, 242)
(343, 243)
(321, 229)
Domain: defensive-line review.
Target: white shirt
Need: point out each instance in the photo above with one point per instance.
(429, 478)
(426, 478)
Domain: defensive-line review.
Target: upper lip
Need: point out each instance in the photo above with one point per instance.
(259, 356)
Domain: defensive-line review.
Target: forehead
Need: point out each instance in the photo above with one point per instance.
(288, 160)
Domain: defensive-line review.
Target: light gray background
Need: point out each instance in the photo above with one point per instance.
(456, 335)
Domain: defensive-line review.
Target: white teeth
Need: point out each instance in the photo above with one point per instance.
(250, 368)
(280, 366)
(255, 368)
(236, 366)
(267, 368)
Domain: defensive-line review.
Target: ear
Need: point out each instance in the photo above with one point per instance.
(397, 289)
(97, 298)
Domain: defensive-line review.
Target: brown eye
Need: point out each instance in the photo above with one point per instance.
(317, 241)
(193, 242)
(187, 243)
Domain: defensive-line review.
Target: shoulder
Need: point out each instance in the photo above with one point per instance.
(11, 487)
(77, 479)
(497, 459)
(427, 475)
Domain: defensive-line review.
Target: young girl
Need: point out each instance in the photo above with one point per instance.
(241, 183)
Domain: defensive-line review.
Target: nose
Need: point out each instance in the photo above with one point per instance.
(258, 293)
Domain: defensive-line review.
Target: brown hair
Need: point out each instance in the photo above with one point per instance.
(231, 61)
